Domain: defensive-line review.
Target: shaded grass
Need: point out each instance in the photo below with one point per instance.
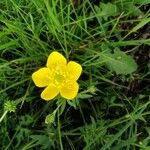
(111, 111)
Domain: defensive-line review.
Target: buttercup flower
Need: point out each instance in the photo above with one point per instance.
(58, 77)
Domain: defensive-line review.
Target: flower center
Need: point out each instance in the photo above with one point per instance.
(59, 75)
(59, 78)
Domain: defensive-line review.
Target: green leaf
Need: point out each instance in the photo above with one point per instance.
(119, 62)
(143, 2)
(133, 10)
(107, 10)
(130, 9)
(50, 118)
(72, 103)
(141, 24)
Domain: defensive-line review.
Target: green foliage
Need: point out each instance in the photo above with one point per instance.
(107, 10)
(120, 62)
(50, 118)
(110, 40)
(143, 2)
(9, 106)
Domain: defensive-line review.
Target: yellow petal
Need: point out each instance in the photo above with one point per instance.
(55, 59)
(41, 77)
(70, 90)
(49, 92)
(74, 70)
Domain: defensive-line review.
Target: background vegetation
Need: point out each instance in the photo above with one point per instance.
(111, 40)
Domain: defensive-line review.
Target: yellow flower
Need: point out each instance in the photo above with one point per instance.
(58, 77)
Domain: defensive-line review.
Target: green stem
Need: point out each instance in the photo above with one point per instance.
(59, 132)
(2, 117)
